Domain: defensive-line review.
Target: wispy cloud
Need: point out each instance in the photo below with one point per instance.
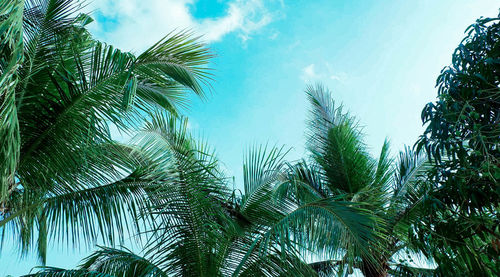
(311, 73)
(136, 24)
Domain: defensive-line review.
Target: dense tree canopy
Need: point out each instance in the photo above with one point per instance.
(462, 137)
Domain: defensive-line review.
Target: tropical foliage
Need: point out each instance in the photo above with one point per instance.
(429, 211)
(201, 228)
(62, 176)
(287, 211)
(340, 167)
(462, 138)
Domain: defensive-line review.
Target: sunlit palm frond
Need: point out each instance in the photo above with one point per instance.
(317, 222)
(179, 57)
(384, 173)
(84, 212)
(410, 186)
(393, 193)
(335, 143)
(64, 89)
(11, 55)
(323, 116)
(330, 227)
(59, 272)
(304, 182)
(377, 194)
(189, 218)
(120, 262)
(261, 167)
(261, 170)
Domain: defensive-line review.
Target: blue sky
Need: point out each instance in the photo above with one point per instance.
(379, 58)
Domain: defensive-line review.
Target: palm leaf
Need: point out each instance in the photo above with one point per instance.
(59, 272)
(11, 53)
(64, 89)
(335, 143)
(116, 262)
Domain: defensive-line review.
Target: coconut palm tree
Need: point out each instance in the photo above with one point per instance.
(61, 174)
(339, 166)
(200, 227)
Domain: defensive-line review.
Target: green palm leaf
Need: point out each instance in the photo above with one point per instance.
(11, 55)
(115, 262)
(59, 272)
(324, 225)
(60, 91)
(335, 143)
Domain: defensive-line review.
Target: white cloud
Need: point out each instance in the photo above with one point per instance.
(335, 77)
(310, 73)
(136, 24)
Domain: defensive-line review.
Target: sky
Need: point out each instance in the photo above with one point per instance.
(380, 59)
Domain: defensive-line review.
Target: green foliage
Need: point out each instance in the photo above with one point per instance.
(11, 51)
(462, 125)
(462, 137)
(341, 169)
(62, 176)
(197, 227)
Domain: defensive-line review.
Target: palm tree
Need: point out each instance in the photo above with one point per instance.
(61, 174)
(340, 167)
(199, 227)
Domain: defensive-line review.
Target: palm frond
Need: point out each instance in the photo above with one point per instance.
(384, 172)
(261, 169)
(329, 227)
(328, 267)
(409, 187)
(281, 214)
(189, 218)
(178, 57)
(59, 272)
(120, 262)
(11, 56)
(60, 91)
(303, 182)
(84, 211)
(334, 141)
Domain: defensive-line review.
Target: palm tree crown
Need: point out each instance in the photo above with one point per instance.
(340, 167)
(62, 175)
